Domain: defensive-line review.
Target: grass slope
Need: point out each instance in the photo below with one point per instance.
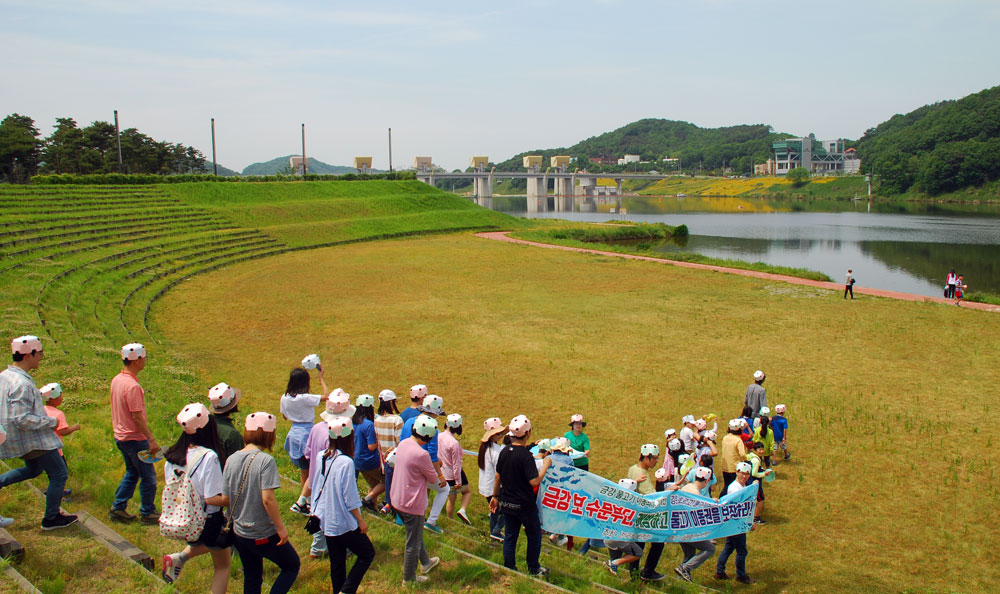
(890, 488)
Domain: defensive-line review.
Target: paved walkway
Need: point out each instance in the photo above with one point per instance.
(503, 236)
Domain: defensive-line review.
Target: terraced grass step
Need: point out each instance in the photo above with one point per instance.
(98, 228)
(49, 220)
(38, 232)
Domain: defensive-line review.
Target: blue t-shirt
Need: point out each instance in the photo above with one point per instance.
(409, 413)
(707, 491)
(364, 436)
(431, 446)
(778, 425)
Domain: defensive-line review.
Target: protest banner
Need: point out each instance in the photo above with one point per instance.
(577, 503)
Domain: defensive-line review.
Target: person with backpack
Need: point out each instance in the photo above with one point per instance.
(193, 475)
(337, 505)
(249, 480)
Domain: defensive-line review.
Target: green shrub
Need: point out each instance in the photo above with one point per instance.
(983, 297)
(146, 178)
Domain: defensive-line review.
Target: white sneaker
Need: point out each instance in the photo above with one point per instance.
(4, 522)
(420, 579)
(431, 565)
(172, 566)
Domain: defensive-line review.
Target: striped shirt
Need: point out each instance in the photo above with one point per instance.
(387, 432)
(22, 414)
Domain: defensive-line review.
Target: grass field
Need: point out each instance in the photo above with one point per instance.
(890, 487)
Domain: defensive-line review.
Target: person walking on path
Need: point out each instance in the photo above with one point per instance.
(733, 452)
(223, 400)
(959, 291)
(756, 396)
(696, 553)
(489, 451)
(413, 475)
(642, 472)
(451, 467)
(849, 284)
(514, 495)
(433, 406)
(132, 435)
(337, 504)
(779, 424)
(29, 432)
(388, 430)
(579, 441)
(249, 481)
(197, 453)
(298, 405)
(736, 542)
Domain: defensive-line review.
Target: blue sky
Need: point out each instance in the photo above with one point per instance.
(455, 79)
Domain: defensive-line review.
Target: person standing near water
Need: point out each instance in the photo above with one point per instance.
(950, 281)
(849, 284)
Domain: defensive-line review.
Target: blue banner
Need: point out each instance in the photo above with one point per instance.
(575, 502)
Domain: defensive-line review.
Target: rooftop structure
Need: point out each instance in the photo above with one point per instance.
(363, 164)
(422, 163)
(533, 162)
(480, 163)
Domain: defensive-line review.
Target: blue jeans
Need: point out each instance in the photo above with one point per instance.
(252, 554)
(738, 543)
(135, 471)
(496, 521)
(532, 531)
(53, 465)
(388, 483)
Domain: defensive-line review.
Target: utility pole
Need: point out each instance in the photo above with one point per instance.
(390, 150)
(118, 138)
(305, 163)
(215, 166)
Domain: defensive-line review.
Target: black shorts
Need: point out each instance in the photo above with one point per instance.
(465, 481)
(214, 524)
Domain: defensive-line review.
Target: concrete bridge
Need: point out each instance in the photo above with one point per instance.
(565, 182)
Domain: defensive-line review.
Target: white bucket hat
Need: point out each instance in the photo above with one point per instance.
(193, 417)
(340, 427)
(674, 444)
(628, 484)
(433, 404)
(703, 473)
(734, 424)
(758, 375)
(425, 426)
(223, 397)
(51, 391)
(780, 409)
(765, 411)
(519, 426)
(661, 474)
(133, 351)
(649, 449)
(23, 345)
(670, 433)
(337, 405)
(311, 361)
(365, 400)
(454, 420)
(744, 467)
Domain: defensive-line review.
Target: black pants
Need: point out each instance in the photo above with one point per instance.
(652, 558)
(727, 479)
(252, 555)
(361, 546)
(532, 531)
(848, 289)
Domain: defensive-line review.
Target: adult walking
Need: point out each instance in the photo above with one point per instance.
(132, 435)
(337, 504)
(733, 452)
(642, 472)
(29, 431)
(696, 553)
(417, 395)
(413, 474)
(756, 396)
(298, 405)
(249, 481)
(736, 542)
(849, 284)
(489, 450)
(433, 407)
(514, 494)
(223, 400)
(337, 406)
(197, 453)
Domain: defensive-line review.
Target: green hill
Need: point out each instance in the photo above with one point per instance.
(944, 147)
(279, 164)
(223, 171)
(654, 139)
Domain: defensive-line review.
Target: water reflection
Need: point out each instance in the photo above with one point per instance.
(900, 246)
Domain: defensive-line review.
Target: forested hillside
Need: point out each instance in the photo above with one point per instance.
(280, 165)
(654, 139)
(937, 148)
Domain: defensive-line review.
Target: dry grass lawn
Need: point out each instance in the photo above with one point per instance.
(891, 487)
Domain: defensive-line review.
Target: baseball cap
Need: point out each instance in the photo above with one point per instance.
(261, 420)
(758, 375)
(688, 419)
(418, 392)
(649, 449)
(734, 424)
(744, 467)
(433, 404)
(519, 426)
(133, 351)
(192, 417)
(703, 473)
(223, 397)
(780, 409)
(765, 411)
(51, 391)
(23, 345)
(670, 433)
(454, 420)
(365, 400)
(425, 426)
(386, 395)
(340, 427)
(628, 484)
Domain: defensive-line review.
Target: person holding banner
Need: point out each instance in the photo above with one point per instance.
(624, 552)
(514, 494)
(696, 553)
(642, 473)
(736, 542)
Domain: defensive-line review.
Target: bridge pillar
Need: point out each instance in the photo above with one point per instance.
(618, 186)
(536, 187)
(587, 187)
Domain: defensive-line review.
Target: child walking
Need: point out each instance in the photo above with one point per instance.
(298, 405)
(779, 424)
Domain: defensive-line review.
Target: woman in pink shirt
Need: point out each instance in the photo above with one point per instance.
(450, 455)
(414, 473)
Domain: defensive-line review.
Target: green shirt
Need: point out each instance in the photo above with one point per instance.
(580, 443)
(231, 439)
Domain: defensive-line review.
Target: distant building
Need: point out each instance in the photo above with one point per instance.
(852, 164)
(818, 156)
(631, 158)
(766, 168)
(603, 160)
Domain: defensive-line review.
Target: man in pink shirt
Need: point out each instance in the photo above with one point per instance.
(132, 435)
(414, 473)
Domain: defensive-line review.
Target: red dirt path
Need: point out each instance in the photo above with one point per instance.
(503, 236)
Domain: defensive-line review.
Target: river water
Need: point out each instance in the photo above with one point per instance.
(902, 247)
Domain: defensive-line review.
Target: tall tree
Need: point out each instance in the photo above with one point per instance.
(20, 148)
(63, 150)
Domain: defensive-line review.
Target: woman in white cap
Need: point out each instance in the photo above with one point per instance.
(366, 455)
(298, 405)
(450, 454)
(388, 426)
(337, 504)
(196, 453)
(249, 481)
(489, 450)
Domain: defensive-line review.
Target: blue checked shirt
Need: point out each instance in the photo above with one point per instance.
(22, 415)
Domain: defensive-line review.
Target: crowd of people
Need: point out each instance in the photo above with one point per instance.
(220, 478)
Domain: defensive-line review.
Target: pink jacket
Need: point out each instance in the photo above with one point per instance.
(450, 456)
(412, 474)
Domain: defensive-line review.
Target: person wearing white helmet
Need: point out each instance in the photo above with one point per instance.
(133, 435)
(366, 453)
(736, 542)
(224, 402)
(29, 431)
(514, 494)
(490, 447)
(733, 452)
(450, 452)
(642, 472)
(624, 552)
(696, 553)
(433, 406)
(388, 429)
(414, 474)
(756, 396)
(417, 395)
(779, 424)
